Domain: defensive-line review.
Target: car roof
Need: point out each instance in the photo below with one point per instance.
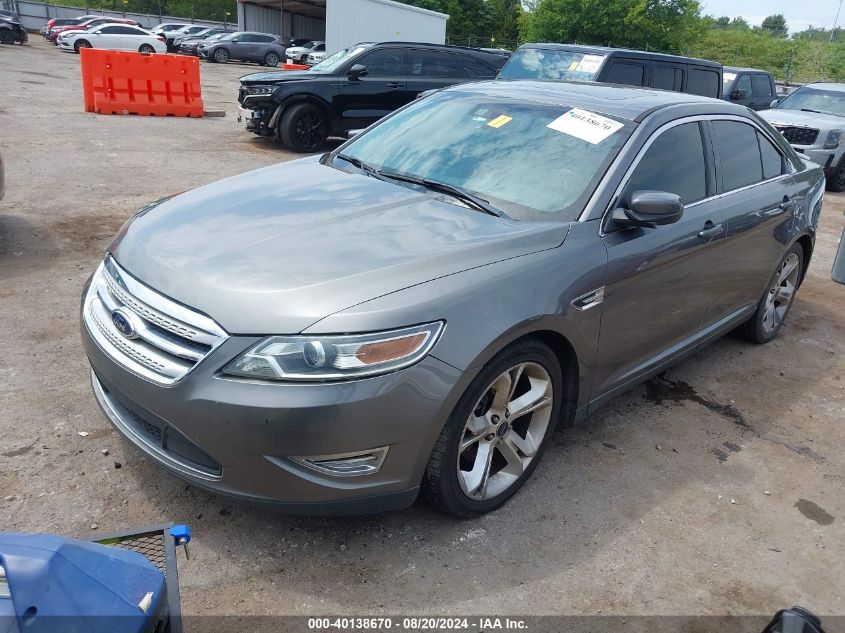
(606, 50)
(624, 102)
(454, 47)
(824, 85)
(739, 69)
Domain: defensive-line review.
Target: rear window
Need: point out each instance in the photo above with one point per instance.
(552, 65)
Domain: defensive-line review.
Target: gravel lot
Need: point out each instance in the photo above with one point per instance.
(717, 489)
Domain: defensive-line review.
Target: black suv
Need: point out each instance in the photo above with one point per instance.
(11, 30)
(354, 88)
(749, 87)
(562, 62)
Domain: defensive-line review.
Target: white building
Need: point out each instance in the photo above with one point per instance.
(342, 23)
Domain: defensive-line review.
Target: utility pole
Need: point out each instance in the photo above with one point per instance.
(835, 22)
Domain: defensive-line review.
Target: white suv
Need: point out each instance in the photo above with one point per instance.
(812, 119)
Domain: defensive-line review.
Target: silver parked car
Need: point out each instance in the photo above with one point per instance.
(813, 120)
(418, 309)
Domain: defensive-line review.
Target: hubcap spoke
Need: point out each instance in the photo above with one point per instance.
(788, 266)
(535, 398)
(785, 292)
(525, 445)
(473, 480)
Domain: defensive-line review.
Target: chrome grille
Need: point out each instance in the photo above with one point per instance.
(166, 340)
(798, 135)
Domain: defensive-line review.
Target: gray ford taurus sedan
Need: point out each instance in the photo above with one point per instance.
(417, 310)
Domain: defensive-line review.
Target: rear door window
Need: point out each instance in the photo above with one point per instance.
(475, 68)
(674, 162)
(422, 63)
(744, 84)
(666, 77)
(739, 153)
(703, 81)
(762, 85)
(626, 72)
(773, 163)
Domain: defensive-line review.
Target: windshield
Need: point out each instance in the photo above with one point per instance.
(815, 100)
(333, 62)
(552, 65)
(229, 36)
(534, 161)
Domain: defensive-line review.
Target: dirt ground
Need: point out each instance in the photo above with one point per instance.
(717, 489)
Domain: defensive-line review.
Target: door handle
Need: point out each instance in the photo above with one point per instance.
(710, 230)
(787, 204)
(394, 84)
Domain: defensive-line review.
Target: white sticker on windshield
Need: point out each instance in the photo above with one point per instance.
(586, 125)
(590, 64)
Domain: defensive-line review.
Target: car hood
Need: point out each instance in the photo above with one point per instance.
(278, 76)
(800, 118)
(277, 249)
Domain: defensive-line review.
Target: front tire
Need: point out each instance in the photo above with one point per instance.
(304, 128)
(6, 37)
(776, 302)
(837, 183)
(81, 44)
(271, 59)
(147, 49)
(221, 56)
(496, 435)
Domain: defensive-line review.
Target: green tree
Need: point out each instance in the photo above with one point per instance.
(775, 25)
(505, 16)
(722, 22)
(663, 25)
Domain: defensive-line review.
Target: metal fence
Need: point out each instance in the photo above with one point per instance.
(35, 14)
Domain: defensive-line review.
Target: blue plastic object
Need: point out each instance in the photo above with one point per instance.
(181, 534)
(59, 584)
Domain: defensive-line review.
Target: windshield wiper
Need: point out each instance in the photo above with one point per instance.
(472, 200)
(357, 162)
(814, 111)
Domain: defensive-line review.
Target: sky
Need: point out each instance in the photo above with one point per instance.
(799, 13)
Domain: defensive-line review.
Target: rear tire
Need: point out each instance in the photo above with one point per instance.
(146, 49)
(271, 59)
(304, 128)
(221, 56)
(777, 300)
(487, 428)
(81, 44)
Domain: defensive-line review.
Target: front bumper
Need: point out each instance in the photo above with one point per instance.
(825, 158)
(257, 115)
(238, 437)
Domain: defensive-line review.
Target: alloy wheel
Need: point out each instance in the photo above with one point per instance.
(504, 431)
(781, 294)
(310, 129)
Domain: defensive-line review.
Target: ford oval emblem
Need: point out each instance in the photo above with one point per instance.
(125, 323)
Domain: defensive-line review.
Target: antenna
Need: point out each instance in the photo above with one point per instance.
(835, 22)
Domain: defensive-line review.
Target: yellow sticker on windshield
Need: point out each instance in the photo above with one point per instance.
(499, 121)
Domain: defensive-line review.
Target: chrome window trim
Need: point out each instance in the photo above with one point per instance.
(656, 134)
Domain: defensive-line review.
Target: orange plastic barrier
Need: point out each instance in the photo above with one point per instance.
(119, 82)
(295, 67)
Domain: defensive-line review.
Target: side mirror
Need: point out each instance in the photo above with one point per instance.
(649, 209)
(357, 71)
(236, 40)
(774, 103)
(737, 95)
(353, 133)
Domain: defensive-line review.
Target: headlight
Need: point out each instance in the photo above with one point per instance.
(321, 358)
(833, 139)
(260, 90)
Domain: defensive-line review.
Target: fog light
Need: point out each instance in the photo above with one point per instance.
(346, 464)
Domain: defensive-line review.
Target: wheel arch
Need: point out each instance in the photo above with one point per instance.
(297, 99)
(807, 244)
